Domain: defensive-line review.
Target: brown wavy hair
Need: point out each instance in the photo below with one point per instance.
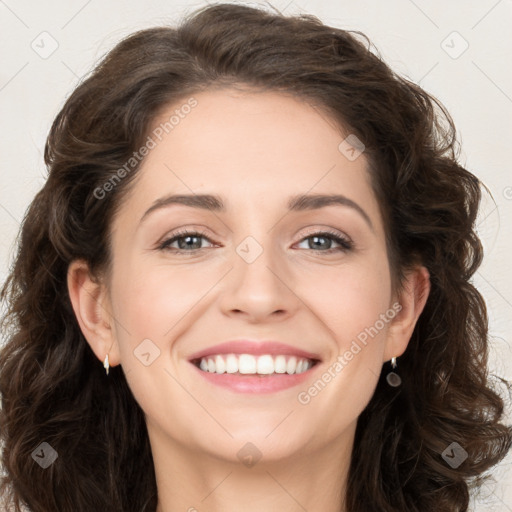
(55, 390)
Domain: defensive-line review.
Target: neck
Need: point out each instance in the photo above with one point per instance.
(198, 482)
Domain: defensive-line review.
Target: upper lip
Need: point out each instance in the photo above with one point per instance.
(255, 348)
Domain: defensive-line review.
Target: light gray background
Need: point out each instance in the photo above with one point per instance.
(416, 38)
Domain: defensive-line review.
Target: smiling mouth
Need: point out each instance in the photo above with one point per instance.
(252, 365)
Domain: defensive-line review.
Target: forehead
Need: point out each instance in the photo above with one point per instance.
(253, 148)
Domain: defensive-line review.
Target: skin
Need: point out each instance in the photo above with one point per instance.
(255, 149)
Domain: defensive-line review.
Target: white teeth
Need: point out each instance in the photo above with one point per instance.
(265, 365)
(231, 363)
(248, 364)
(302, 366)
(220, 365)
(280, 364)
(291, 367)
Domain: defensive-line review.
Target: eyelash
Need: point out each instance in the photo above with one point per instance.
(345, 244)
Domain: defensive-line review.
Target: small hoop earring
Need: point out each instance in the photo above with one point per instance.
(106, 364)
(393, 378)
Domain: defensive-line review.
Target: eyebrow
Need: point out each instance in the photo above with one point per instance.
(297, 203)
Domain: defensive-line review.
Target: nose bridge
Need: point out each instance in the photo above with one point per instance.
(256, 249)
(254, 256)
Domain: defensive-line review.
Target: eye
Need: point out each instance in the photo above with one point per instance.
(324, 239)
(191, 241)
(187, 242)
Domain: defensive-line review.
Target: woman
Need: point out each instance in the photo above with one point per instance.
(245, 285)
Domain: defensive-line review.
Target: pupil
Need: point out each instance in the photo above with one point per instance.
(186, 240)
(316, 238)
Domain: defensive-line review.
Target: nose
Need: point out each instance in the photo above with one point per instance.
(260, 285)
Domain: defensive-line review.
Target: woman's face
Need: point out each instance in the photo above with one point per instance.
(252, 269)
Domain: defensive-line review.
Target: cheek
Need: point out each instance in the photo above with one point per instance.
(355, 308)
(351, 299)
(151, 298)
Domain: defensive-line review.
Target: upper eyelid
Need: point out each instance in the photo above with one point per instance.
(204, 232)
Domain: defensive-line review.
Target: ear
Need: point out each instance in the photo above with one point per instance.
(411, 301)
(90, 302)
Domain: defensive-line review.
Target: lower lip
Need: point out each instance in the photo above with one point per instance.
(256, 383)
